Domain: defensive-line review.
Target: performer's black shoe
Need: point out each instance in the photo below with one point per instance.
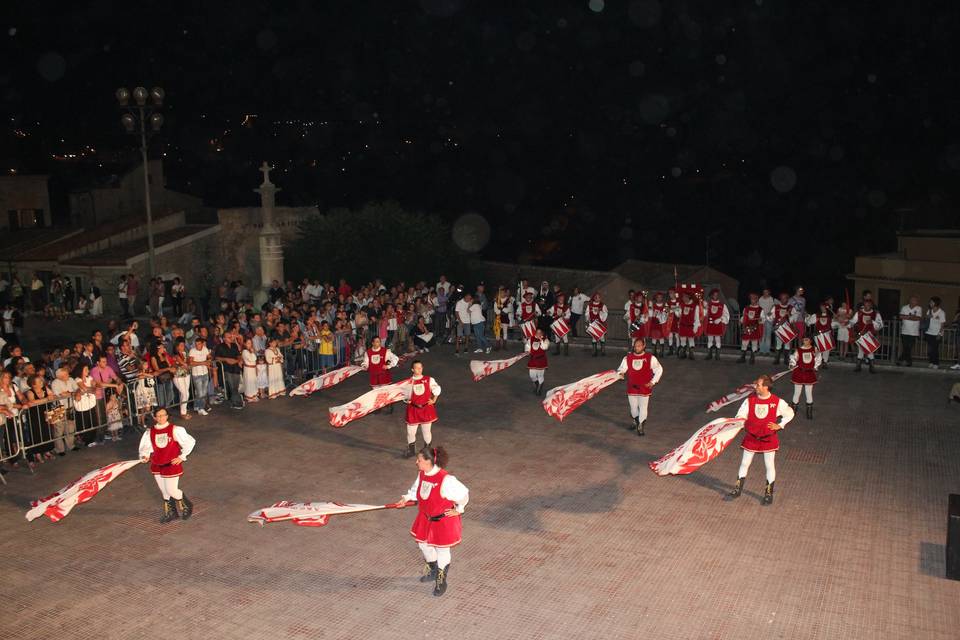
(594, 349)
(742, 358)
(603, 348)
(690, 353)
(793, 405)
(536, 388)
(824, 366)
(710, 353)
(859, 363)
(411, 450)
(556, 351)
(441, 587)
(566, 348)
(431, 575)
(670, 353)
(870, 362)
(768, 494)
(753, 357)
(169, 511)
(776, 358)
(185, 507)
(716, 353)
(737, 489)
(640, 431)
(635, 426)
(809, 412)
(539, 388)
(682, 353)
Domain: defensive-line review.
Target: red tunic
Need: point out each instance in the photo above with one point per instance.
(636, 317)
(377, 366)
(445, 532)
(781, 314)
(714, 314)
(528, 311)
(593, 312)
(688, 313)
(658, 325)
(824, 323)
(752, 322)
(165, 449)
(639, 373)
(862, 326)
(419, 411)
(759, 437)
(559, 311)
(805, 373)
(538, 356)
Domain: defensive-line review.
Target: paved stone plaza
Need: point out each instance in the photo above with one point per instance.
(567, 534)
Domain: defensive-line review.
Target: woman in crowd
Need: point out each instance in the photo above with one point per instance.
(841, 322)
(249, 358)
(34, 419)
(162, 366)
(145, 393)
(423, 338)
(85, 405)
(181, 375)
(274, 360)
(10, 403)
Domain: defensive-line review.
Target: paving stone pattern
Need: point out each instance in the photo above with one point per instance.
(567, 534)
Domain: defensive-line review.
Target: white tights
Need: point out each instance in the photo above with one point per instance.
(687, 342)
(638, 406)
(807, 391)
(536, 375)
(169, 487)
(754, 344)
(424, 428)
(440, 555)
(767, 462)
(713, 341)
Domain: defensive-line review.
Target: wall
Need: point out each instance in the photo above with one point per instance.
(238, 256)
(24, 192)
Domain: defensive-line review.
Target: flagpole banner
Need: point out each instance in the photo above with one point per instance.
(325, 381)
(483, 368)
(703, 446)
(740, 393)
(311, 514)
(561, 401)
(344, 414)
(58, 505)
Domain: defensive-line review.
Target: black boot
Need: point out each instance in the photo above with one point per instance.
(431, 575)
(768, 494)
(603, 348)
(640, 431)
(670, 353)
(594, 349)
(411, 450)
(776, 358)
(169, 511)
(185, 507)
(566, 348)
(441, 587)
(536, 388)
(859, 362)
(635, 426)
(709, 353)
(793, 405)
(737, 489)
(753, 357)
(682, 353)
(690, 353)
(743, 357)
(870, 362)
(539, 388)
(809, 412)
(716, 353)
(556, 351)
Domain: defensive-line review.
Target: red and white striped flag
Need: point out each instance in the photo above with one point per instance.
(560, 328)
(786, 332)
(560, 402)
(58, 505)
(824, 341)
(868, 342)
(325, 381)
(312, 514)
(740, 393)
(483, 368)
(344, 414)
(529, 329)
(597, 330)
(703, 446)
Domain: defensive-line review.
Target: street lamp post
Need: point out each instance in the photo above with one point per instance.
(134, 121)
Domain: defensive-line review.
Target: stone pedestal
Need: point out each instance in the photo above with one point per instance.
(271, 245)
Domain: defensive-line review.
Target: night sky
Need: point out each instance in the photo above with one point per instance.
(796, 134)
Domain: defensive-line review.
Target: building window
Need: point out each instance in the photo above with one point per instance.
(25, 218)
(888, 302)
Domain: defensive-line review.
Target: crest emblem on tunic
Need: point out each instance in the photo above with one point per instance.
(807, 357)
(418, 388)
(375, 359)
(425, 489)
(761, 410)
(162, 440)
(637, 364)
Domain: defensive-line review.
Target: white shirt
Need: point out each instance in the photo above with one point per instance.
(88, 400)
(60, 387)
(443, 286)
(434, 386)
(184, 439)
(911, 327)
(766, 303)
(937, 319)
(817, 359)
(199, 355)
(476, 313)
(6, 363)
(783, 410)
(390, 360)
(451, 489)
(577, 302)
(462, 310)
(134, 340)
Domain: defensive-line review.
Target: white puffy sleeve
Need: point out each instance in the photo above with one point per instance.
(744, 409)
(526, 346)
(454, 490)
(725, 318)
(411, 493)
(622, 369)
(793, 359)
(878, 322)
(434, 387)
(392, 359)
(785, 411)
(603, 313)
(185, 440)
(146, 446)
(811, 319)
(656, 368)
(817, 361)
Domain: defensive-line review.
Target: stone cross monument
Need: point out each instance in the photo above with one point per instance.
(271, 245)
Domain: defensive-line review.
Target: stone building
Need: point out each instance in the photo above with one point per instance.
(24, 202)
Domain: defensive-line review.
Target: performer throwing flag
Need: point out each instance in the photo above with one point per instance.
(421, 409)
(378, 360)
(642, 371)
(537, 365)
(59, 504)
(761, 412)
(597, 313)
(441, 499)
(804, 362)
(166, 448)
(718, 317)
(751, 322)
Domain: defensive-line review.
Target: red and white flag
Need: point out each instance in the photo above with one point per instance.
(483, 368)
(344, 414)
(560, 402)
(824, 341)
(560, 328)
(740, 393)
(703, 446)
(868, 342)
(786, 332)
(58, 505)
(325, 381)
(597, 330)
(529, 329)
(312, 514)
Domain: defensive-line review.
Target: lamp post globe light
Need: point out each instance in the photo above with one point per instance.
(142, 117)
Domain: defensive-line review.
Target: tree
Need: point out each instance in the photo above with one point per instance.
(380, 240)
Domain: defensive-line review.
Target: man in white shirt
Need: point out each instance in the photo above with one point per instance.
(910, 316)
(766, 303)
(464, 326)
(577, 301)
(936, 319)
(63, 386)
(131, 333)
(443, 285)
(200, 362)
(479, 324)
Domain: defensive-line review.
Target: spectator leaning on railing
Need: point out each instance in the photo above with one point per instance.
(910, 316)
(936, 319)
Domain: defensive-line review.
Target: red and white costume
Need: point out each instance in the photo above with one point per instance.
(673, 307)
(527, 310)
(640, 370)
(864, 321)
(659, 320)
(378, 363)
(821, 322)
(688, 322)
(596, 311)
(436, 492)
(420, 412)
(560, 309)
(635, 315)
(718, 317)
(163, 444)
(780, 313)
(760, 438)
(537, 362)
(805, 361)
(751, 322)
